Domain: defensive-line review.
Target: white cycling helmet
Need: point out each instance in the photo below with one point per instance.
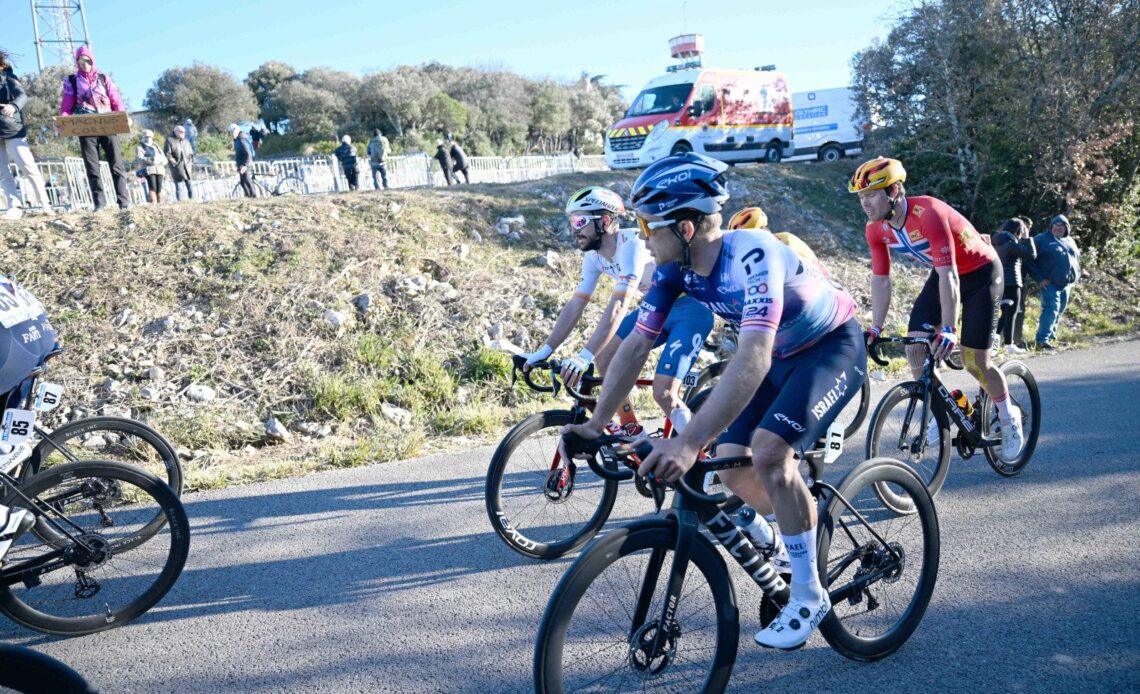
(595, 199)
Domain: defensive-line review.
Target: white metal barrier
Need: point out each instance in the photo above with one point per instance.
(216, 180)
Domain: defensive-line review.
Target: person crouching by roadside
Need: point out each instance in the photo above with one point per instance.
(181, 157)
(14, 148)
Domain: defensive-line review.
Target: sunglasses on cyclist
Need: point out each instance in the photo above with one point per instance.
(579, 221)
(648, 229)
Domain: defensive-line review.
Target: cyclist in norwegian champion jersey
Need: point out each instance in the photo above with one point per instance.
(26, 337)
(620, 253)
(800, 359)
(965, 272)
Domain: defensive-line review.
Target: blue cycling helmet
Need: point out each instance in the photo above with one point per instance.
(687, 181)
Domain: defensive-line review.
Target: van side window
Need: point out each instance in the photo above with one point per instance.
(708, 98)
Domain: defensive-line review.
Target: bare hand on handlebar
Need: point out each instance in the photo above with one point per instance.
(588, 431)
(670, 459)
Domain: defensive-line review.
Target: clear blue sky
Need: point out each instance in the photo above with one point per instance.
(135, 40)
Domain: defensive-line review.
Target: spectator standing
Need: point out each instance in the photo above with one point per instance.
(459, 157)
(14, 146)
(150, 157)
(1019, 319)
(191, 134)
(181, 157)
(243, 157)
(1057, 268)
(256, 135)
(443, 156)
(346, 153)
(90, 91)
(1012, 244)
(378, 151)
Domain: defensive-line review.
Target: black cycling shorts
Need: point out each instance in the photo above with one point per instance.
(803, 393)
(979, 291)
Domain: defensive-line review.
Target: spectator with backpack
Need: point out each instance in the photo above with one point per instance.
(459, 157)
(90, 91)
(346, 153)
(1012, 244)
(14, 146)
(153, 162)
(243, 157)
(378, 151)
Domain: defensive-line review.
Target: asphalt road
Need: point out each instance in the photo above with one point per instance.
(389, 578)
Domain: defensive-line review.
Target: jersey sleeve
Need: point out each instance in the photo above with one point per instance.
(658, 301)
(880, 254)
(936, 229)
(589, 279)
(633, 256)
(761, 271)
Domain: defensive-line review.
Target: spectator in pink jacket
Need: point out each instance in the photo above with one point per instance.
(90, 91)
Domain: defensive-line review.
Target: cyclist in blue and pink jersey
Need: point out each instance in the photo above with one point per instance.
(594, 214)
(799, 360)
(965, 273)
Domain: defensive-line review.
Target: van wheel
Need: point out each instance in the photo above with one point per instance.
(831, 153)
(681, 148)
(774, 153)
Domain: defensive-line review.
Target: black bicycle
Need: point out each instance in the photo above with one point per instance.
(107, 542)
(901, 425)
(652, 605)
(116, 439)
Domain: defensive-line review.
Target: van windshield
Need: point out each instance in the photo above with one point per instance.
(668, 99)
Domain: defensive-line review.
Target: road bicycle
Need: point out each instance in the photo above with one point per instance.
(291, 184)
(544, 507)
(651, 605)
(105, 438)
(107, 542)
(900, 425)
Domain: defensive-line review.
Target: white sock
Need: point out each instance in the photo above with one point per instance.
(1003, 409)
(805, 575)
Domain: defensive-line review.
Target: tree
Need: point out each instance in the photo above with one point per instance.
(444, 114)
(313, 113)
(549, 115)
(263, 81)
(208, 94)
(400, 96)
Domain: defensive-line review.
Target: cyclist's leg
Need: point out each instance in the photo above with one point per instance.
(686, 328)
(981, 292)
(927, 310)
(626, 415)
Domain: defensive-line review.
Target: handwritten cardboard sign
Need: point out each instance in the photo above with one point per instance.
(93, 125)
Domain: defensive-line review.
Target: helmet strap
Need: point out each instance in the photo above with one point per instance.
(686, 259)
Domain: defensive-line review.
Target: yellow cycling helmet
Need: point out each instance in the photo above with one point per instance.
(880, 172)
(749, 218)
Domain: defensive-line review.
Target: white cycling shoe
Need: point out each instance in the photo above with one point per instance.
(1012, 436)
(795, 623)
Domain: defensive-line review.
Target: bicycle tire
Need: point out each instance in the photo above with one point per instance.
(25, 670)
(572, 530)
(120, 526)
(853, 634)
(861, 413)
(555, 646)
(1030, 421)
(157, 457)
(291, 185)
(884, 440)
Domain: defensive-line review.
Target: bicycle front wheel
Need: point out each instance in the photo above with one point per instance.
(1023, 393)
(880, 582)
(537, 514)
(110, 566)
(599, 628)
(108, 438)
(896, 431)
(291, 185)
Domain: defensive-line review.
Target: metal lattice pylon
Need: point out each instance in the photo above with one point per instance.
(61, 28)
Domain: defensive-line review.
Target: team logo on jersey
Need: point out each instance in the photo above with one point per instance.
(753, 256)
(918, 210)
(914, 235)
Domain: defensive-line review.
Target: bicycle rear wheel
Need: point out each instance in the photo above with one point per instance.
(879, 592)
(59, 586)
(597, 631)
(536, 516)
(897, 432)
(1023, 393)
(108, 438)
(291, 185)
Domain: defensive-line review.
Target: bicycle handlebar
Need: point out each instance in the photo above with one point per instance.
(556, 384)
(873, 350)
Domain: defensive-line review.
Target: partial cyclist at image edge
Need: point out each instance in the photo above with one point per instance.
(26, 338)
(966, 276)
(594, 214)
(799, 360)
